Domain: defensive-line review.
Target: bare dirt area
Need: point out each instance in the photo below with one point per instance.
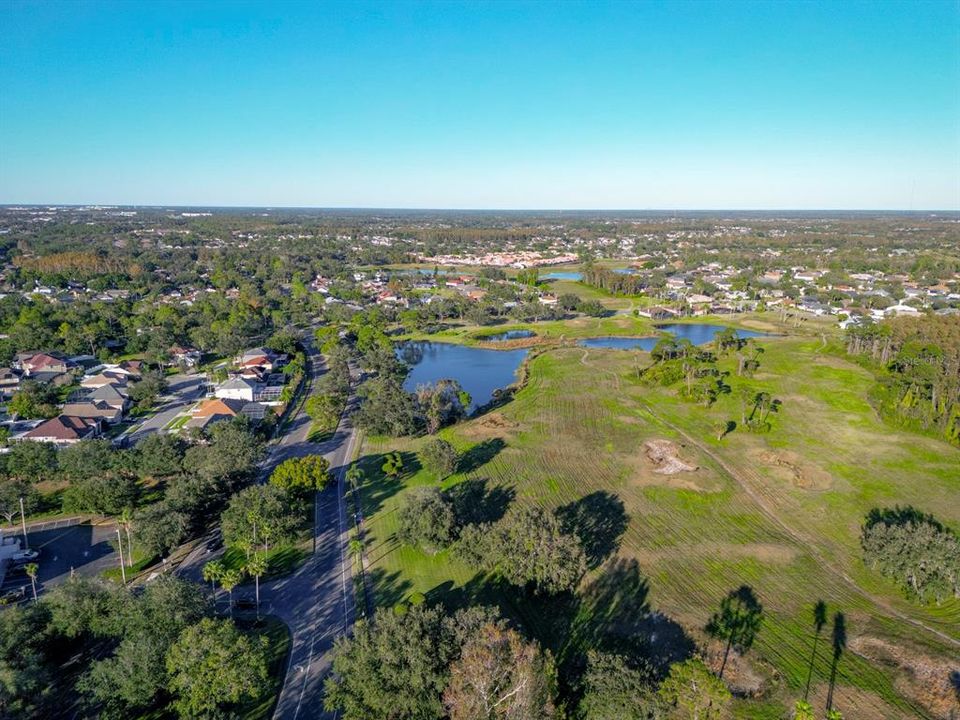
(665, 456)
(742, 679)
(490, 425)
(927, 681)
(791, 467)
(854, 703)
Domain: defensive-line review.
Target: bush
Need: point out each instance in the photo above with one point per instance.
(439, 457)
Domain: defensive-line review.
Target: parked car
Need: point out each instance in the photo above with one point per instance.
(13, 596)
(25, 556)
(245, 602)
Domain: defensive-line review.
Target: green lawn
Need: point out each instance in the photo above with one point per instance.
(780, 512)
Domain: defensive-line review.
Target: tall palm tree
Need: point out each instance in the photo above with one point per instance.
(257, 566)
(213, 571)
(228, 581)
(126, 520)
(31, 570)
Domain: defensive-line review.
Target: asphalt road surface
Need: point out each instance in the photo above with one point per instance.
(317, 601)
(182, 392)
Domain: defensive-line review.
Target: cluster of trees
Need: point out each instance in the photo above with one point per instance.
(918, 365)
(471, 665)
(155, 648)
(195, 479)
(388, 409)
(915, 551)
(614, 282)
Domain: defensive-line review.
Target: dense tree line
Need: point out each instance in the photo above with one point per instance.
(915, 551)
(155, 648)
(918, 366)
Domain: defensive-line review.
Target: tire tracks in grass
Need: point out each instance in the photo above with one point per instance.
(771, 515)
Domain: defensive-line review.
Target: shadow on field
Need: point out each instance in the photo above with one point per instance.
(378, 487)
(480, 454)
(474, 502)
(387, 588)
(599, 520)
(612, 614)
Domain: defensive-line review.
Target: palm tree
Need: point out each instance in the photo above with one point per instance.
(228, 581)
(126, 520)
(213, 571)
(31, 570)
(257, 566)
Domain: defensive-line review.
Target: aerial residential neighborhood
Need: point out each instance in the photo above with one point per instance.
(473, 360)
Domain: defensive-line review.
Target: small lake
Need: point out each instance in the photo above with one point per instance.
(478, 371)
(508, 335)
(562, 275)
(620, 343)
(697, 333)
(625, 271)
(702, 333)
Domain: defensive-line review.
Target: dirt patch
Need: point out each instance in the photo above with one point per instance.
(742, 679)
(926, 680)
(665, 456)
(490, 425)
(790, 466)
(855, 703)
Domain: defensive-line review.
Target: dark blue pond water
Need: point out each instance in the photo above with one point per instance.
(562, 275)
(508, 335)
(478, 371)
(620, 343)
(697, 333)
(702, 333)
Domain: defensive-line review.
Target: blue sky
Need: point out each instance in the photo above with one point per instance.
(482, 105)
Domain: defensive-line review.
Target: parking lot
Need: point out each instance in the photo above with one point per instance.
(65, 545)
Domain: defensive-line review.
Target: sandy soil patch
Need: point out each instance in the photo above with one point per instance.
(490, 425)
(742, 679)
(854, 703)
(789, 466)
(665, 456)
(924, 679)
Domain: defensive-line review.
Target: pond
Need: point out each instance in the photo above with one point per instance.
(478, 371)
(697, 333)
(508, 335)
(620, 343)
(702, 333)
(562, 275)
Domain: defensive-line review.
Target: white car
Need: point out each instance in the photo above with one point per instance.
(25, 556)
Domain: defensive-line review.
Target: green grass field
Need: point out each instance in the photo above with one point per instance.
(780, 512)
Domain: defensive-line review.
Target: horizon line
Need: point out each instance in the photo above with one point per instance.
(375, 208)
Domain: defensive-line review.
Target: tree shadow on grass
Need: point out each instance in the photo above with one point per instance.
(377, 487)
(599, 520)
(474, 502)
(480, 454)
(388, 589)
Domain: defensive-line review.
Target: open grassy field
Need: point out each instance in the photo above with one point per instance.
(779, 512)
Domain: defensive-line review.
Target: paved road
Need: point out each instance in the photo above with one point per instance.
(182, 391)
(316, 601)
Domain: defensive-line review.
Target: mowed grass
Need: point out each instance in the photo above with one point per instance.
(780, 512)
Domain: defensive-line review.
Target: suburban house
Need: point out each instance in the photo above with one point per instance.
(9, 382)
(63, 430)
(106, 377)
(97, 410)
(657, 313)
(32, 363)
(114, 395)
(260, 358)
(185, 356)
(236, 388)
(214, 410)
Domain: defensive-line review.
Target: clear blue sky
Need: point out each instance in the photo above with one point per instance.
(482, 105)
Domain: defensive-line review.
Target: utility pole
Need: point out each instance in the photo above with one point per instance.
(23, 524)
(123, 571)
